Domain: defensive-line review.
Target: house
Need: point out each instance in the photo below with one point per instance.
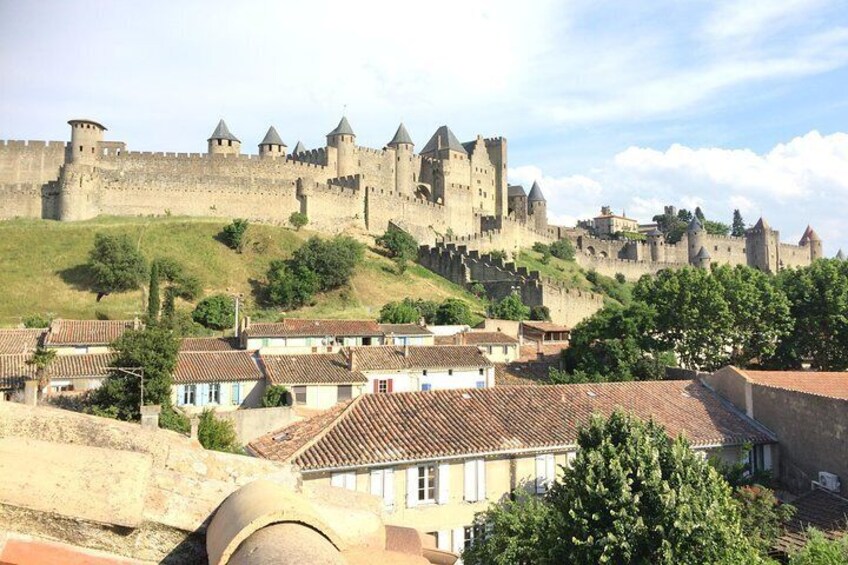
(75, 337)
(435, 367)
(496, 346)
(545, 333)
(609, 224)
(438, 458)
(67, 373)
(406, 334)
(209, 344)
(15, 341)
(224, 380)
(807, 411)
(318, 380)
(295, 336)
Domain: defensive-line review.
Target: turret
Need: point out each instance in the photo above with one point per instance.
(86, 136)
(344, 141)
(656, 244)
(537, 207)
(222, 142)
(702, 259)
(695, 238)
(761, 247)
(298, 149)
(812, 240)
(840, 255)
(271, 145)
(402, 144)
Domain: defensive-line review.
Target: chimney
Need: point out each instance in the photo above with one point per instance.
(406, 350)
(351, 360)
(422, 322)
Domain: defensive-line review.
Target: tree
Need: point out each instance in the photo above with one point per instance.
(497, 254)
(510, 308)
(37, 321)
(540, 313)
(180, 283)
(215, 434)
(819, 550)
(398, 243)
(563, 249)
(716, 228)
(169, 307)
(453, 312)
(332, 260)
(234, 234)
(739, 228)
(216, 312)
(399, 313)
(762, 515)
(298, 220)
(275, 395)
(116, 264)
(290, 286)
(700, 214)
(41, 359)
(153, 301)
(152, 349)
(632, 495)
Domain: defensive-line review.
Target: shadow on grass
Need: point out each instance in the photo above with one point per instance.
(78, 277)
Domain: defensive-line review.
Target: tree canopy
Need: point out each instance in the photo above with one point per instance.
(234, 234)
(116, 264)
(510, 308)
(453, 311)
(216, 312)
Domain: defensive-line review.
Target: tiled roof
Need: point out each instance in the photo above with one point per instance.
(551, 351)
(294, 327)
(545, 327)
(222, 132)
(299, 148)
(13, 371)
(404, 329)
(820, 509)
(216, 366)
(832, 385)
(329, 368)
(208, 344)
(521, 374)
(487, 338)
(401, 136)
(19, 341)
(389, 357)
(272, 138)
(86, 332)
(343, 128)
(283, 443)
(14, 368)
(407, 426)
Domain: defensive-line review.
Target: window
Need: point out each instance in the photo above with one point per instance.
(382, 386)
(489, 348)
(383, 485)
(545, 472)
(345, 480)
(344, 392)
(505, 349)
(235, 394)
(426, 483)
(214, 393)
(424, 372)
(426, 386)
(480, 384)
(471, 533)
(187, 395)
(481, 371)
(475, 480)
(299, 394)
(450, 372)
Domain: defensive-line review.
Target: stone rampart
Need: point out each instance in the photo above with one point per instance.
(332, 208)
(793, 255)
(383, 206)
(28, 200)
(632, 270)
(25, 162)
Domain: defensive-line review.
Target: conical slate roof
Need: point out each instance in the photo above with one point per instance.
(299, 148)
(535, 193)
(694, 225)
(761, 225)
(223, 132)
(343, 128)
(703, 253)
(444, 139)
(272, 138)
(809, 235)
(840, 255)
(401, 136)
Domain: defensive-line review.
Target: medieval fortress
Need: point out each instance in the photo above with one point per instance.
(452, 196)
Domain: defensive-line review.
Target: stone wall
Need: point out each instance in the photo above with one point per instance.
(28, 200)
(30, 162)
(726, 250)
(252, 423)
(632, 270)
(332, 208)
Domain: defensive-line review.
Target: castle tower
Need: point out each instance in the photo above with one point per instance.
(517, 202)
(702, 259)
(298, 149)
(86, 136)
(222, 142)
(402, 144)
(656, 244)
(344, 141)
(449, 164)
(498, 156)
(840, 255)
(761, 247)
(537, 207)
(695, 238)
(812, 240)
(272, 146)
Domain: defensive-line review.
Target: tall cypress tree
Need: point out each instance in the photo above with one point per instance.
(153, 294)
(738, 224)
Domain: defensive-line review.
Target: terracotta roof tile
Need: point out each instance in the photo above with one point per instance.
(487, 338)
(282, 444)
(19, 341)
(551, 352)
(521, 374)
(293, 327)
(216, 366)
(546, 327)
(833, 385)
(14, 369)
(387, 428)
(209, 344)
(404, 329)
(820, 509)
(86, 332)
(326, 368)
(377, 358)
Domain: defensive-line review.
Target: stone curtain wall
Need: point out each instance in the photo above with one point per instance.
(727, 250)
(31, 200)
(632, 270)
(25, 162)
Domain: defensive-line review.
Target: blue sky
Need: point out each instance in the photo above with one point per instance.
(631, 104)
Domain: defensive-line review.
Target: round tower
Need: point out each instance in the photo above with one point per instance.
(702, 259)
(656, 244)
(344, 141)
(695, 238)
(537, 207)
(271, 145)
(222, 142)
(402, 144)
(86, 136)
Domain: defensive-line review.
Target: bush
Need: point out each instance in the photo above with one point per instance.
(332, 260)
(498, 254)
(234, 235)
(477, 289)
(275, 395)
(37, 321)
(820, 550)
(290, 287)
(619, 278)
(540, 313)
(216, 312)
(398, 243)
(540, 247)
(116, 264)
(403, 312)
(563, 249)
(510, 308)
(215, 434)
(170, 419)
(453, 312)
(298, 220)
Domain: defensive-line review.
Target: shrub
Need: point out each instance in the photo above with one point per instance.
(170, 419)
(453, 312)
(510, 308)
(298, 220)
(540, 247)
(820, 550)
(275, 395)
(498, 254)
(233, 235)
(403, 312)
(116, 264)
(398, 243)
(153, 301)
(290, 287)
(540, 313)
(332, 260)
(37, 321)
(215, 434)
(563, 249)
(619, 278)
(216, 312)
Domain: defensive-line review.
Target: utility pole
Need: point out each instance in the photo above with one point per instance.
(236, 323)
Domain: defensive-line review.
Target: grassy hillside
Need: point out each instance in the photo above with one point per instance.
(42, 269)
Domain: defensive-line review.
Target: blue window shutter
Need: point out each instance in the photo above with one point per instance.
(180, 393)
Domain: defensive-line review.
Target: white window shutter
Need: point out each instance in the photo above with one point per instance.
(443, 540)
(470, 486)
(337, 480)
(550, 470)
(412, 487)
(443, 483)
(350, 480)
(767, 465)
(180, 393)
(389, 488)
(377, 482)
(540, 473)
(481, 479)
(458, 540)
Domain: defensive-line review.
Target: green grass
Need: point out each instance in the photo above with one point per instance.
(42, 269)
